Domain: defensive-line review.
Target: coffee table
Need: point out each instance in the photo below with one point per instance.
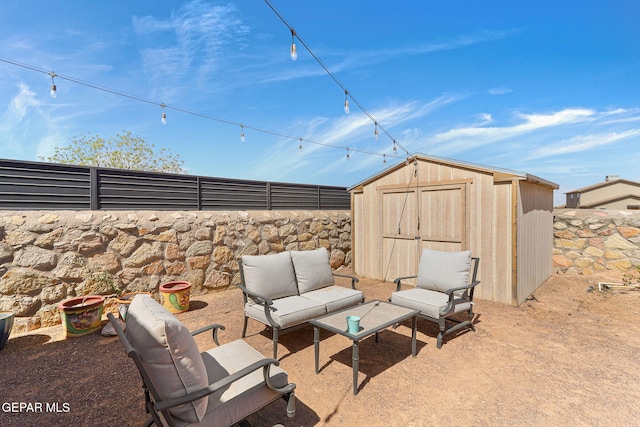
(374, 317)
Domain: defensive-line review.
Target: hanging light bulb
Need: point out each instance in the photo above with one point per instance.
(242, 133)
(395, 147)
(293, 51)
(384, 159)
(53, 85)
(375, 132)
(164, 115)
(346, 102)
(300, 146)
(348, 154)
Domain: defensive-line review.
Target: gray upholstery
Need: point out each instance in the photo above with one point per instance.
(335, 298)
(270, 275)
(243, 397)
(444, 288)
(288, 311)
(270, 299)
(312, 269)
(169, 353)
(441, 271)
(431, 303)
(183, 387)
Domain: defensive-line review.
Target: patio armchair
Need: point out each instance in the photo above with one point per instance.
(444, 288)
(183, 387)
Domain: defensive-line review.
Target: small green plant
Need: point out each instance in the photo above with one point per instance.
(101, 275)
(632, 277)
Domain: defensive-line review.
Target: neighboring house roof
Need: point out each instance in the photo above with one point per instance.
(610, 200)
(603, 184)
(504, 174)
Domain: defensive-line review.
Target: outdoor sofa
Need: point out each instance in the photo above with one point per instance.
(290, 288)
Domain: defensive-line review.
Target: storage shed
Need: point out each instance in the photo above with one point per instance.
(503, 216)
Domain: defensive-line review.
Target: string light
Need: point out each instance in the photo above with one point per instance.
(346, 102)
(375, 132)
(242, 132)
(384, 159)
(293, 51)
(300, 146)
(193, 113)
(53, 85)
(348, 154)
(395, 148)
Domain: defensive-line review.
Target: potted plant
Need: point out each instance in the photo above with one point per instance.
(6, 323)
(81, 315)
(124, 300)
(175, 296)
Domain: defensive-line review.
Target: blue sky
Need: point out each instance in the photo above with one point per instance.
(547, 88)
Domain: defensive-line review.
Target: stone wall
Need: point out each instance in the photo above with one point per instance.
(46, 257)
(588, 241)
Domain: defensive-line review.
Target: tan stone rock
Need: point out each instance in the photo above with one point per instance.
(172, 252)
(628, 232)
(337, 258)
(217, 280)
(169, 236)
(222, 255)
(35, 257)
(145, 254)
(49, 218)
(198, 262)
(270, 233)
(621, 265)
(20, 238)
(618, 242)
(52, 294)
(105, 261)
(47, 240)
(571, 244)
(593, 251)
(6, 252)
(199, 248)
(49, 315)
(614, 255)
(307, 246)
(583, 263)
(154, 268)
(586, 233)
(90, 242)
(176, 268)
(86, 217)
(564, 234)
(203, 233)
(23, 325)
(562, 261)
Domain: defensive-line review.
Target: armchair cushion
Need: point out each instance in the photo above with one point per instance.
(442, 271)
(335, 297)
(270, 275)
(244, 396)
(169, 353)
(431, 303)
(312, 269)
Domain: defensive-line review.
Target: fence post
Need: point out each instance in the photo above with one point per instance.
(94, 194)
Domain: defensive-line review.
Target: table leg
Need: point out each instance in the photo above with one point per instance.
(414, 324)
(316, 344)
(356, 359)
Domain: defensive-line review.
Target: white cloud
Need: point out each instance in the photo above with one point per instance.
(582, 143)
(499, 91)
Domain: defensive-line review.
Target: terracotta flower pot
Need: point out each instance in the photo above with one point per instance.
(175, 296)
(125, 300)
(6, 323)
(81, 315)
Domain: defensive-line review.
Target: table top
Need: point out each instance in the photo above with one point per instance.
(374, 316)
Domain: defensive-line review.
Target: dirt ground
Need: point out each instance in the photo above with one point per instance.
(566, 356)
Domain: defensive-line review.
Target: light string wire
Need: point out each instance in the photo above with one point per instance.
(347, 93)
(242, 125)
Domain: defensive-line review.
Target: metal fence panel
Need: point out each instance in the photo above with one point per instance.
(35, 185)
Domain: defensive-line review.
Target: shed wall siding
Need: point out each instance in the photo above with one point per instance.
(535, 237)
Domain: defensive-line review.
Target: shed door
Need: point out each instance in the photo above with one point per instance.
(427, 216)
(443, 217)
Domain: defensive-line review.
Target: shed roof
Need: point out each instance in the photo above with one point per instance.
(500, 174)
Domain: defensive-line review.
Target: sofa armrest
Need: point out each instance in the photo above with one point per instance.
(260, 299)
(398, 281)
(354, 279)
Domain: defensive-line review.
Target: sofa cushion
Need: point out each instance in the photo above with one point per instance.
(335, 297)
(442, 271)
(270, 275)
(431, 303)
(243, 397)
(289, 311)
(312, 269)
(169, 354)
